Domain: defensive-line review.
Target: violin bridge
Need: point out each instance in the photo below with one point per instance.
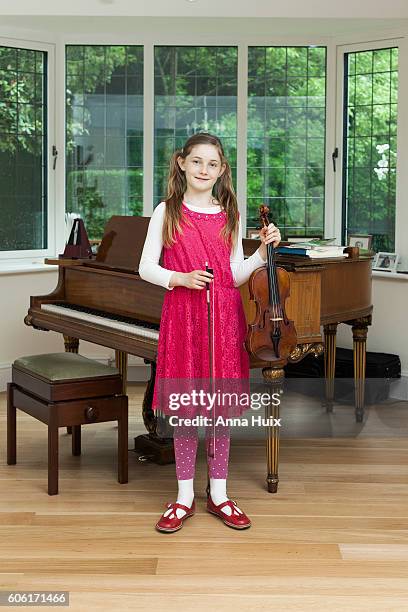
(277, 319)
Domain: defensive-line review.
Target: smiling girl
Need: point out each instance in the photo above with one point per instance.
(199, 222)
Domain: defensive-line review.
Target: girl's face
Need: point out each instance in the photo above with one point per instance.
(202, 167)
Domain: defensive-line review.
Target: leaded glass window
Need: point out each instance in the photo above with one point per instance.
(286, 137)
(104, 133)
(370, 145)
(23, 149)
(195, 89)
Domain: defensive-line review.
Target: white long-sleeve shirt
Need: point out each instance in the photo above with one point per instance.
(151, 271)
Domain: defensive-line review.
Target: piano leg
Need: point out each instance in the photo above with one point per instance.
(71, 346)
(360, 328)
(76, 439)
(330, 331)
(11, 426)
(274, 378)
(149, 417)
(121, 361)
(150, 446)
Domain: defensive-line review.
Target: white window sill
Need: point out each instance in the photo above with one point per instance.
(24, 267)
(393, 275)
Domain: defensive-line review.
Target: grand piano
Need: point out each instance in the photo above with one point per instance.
(103, 300)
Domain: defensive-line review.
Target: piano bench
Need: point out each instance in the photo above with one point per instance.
(66, 390)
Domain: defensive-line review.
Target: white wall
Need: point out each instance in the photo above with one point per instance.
(389, 331)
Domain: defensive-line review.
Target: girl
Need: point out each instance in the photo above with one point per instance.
(192, 227)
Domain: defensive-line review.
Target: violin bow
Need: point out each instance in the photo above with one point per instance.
(210, 324)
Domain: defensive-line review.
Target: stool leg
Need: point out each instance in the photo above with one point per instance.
(11, 426)
(76, 440)
(52, 457)
(123, 442)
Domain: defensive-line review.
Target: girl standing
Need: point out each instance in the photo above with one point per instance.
(193, 227)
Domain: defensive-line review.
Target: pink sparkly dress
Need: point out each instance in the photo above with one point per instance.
(183, 362)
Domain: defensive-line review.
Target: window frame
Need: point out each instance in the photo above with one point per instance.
(339, 178)
(54, 45)
(37, 255)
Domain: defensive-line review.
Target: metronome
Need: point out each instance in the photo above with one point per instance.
(78, 246)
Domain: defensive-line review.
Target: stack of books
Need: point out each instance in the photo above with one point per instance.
(314, 250)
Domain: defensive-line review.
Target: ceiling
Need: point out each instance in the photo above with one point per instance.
(178, 26)
(344, 9)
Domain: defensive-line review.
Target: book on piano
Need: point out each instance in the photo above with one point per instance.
(313, 251)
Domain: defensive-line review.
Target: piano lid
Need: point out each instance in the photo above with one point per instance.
(122, 244)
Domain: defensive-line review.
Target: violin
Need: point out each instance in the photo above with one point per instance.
(271, 336)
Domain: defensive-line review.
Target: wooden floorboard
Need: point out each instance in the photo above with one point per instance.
(334, 537)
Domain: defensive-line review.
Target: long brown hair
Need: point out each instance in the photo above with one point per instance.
(177, 184)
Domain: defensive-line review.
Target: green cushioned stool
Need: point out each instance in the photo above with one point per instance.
(66, 390)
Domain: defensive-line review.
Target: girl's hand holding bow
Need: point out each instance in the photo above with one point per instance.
(196, 279)
(270, 234)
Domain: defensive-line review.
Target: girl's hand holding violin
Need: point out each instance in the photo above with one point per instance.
(270, 234)
(196, 279)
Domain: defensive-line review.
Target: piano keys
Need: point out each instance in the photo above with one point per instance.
(128, 325)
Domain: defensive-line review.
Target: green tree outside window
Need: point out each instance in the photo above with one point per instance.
(104, 133)
(195, 90)
(23, 146)
(286, 137)
(370, 145)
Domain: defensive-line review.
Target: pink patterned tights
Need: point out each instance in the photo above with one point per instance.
(185, 450)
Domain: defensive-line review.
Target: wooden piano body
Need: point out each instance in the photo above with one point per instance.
(105, 301)
(121, 294)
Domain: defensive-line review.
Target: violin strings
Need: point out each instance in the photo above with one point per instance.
(271, 283)
(274, 297)
(278, 302)
(274, 290)
(276, 306)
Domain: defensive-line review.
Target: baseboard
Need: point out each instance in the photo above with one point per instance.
(5, 375)
(399, 387)
(138, 371)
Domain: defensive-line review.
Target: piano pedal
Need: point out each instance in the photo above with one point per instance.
(145, 457)
(150, 447)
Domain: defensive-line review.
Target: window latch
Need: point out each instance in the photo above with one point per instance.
(55, 155)
(335, 155)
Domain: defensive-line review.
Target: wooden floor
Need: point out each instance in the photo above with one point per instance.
(334, 537)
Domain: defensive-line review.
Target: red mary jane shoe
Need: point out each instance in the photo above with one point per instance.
(235, 519)
(171, 522)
